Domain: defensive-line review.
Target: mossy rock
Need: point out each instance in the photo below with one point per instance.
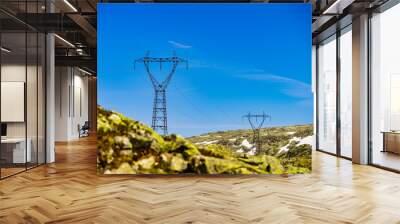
(129, 147)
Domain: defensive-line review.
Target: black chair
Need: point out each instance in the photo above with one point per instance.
(84, 130)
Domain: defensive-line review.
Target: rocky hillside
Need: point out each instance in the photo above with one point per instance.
(290, 144)
(276, 140)
(126, 146)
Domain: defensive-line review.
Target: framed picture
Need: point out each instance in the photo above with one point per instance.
(204, 89)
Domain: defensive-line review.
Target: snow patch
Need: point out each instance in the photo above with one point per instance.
(307, 140)
(252, 152)
(246, 144)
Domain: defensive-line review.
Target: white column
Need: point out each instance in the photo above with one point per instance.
(50, 99)
(360, 90)
(63, 101)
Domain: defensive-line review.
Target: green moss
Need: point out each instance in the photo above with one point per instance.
(127, 146)
(217, 151)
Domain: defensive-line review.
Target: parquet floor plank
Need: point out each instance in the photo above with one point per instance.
(70, 191)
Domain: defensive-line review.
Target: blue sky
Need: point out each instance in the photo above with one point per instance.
(242, 58)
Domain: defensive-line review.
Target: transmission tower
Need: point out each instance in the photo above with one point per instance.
(159, 119)
(256, 122)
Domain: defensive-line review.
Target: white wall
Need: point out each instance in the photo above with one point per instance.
(33, 126)
(13, 100)
(16, 73)
(12, 73)
(80, 110)
(62, 82)
(71, 102)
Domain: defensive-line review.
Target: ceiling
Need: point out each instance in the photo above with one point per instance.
(75, 22)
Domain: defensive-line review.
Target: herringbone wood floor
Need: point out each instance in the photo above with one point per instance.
(69, 191)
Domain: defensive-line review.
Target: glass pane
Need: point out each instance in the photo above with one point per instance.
(31, 98)
(79, 105)
(32, 88)
(346, 93)
(13, 88)
(41, 98)
(386, 89)
(22, 89)
(327, 96)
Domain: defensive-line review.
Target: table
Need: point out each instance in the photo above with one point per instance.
(13, 150)
(391, 141)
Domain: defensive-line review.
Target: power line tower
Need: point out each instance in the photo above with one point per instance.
(256, 122)
(159, 119)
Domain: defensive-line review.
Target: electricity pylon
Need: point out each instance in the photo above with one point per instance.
(159, 119)
(256, 122)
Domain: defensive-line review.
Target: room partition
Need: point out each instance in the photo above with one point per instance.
(22, 77)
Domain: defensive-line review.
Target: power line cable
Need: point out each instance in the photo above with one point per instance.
(201, 112)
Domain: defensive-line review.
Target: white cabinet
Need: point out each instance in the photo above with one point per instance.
(19, 155)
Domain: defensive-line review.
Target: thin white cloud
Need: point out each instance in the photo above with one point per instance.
(274, 78)
(179, 45)
(290, 87)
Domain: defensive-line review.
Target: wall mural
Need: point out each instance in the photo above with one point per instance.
(204, 89)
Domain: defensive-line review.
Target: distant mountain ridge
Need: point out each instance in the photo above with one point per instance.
(276, 140)
(291, 144)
